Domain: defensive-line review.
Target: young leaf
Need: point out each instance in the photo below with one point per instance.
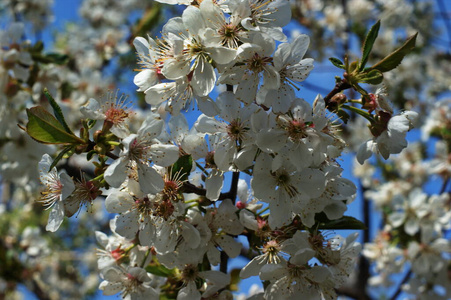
(345, 222)
(160, 270)
(50, 58)
(394, 59)
(44, 128)
(60, 156)
(56, 58)
(338, 63)
(183, 165)
(344, 116)
(57, 111)
(368, 44)
(372, 77)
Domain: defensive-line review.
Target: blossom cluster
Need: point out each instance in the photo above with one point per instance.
(288, 146)
(164, 177)
(414, 239)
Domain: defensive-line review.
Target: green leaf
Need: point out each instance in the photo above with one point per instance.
(90, 155)
(91, 123)
(353, 66)
(338, 63)
(372, 77)
(344, 116)
(394, 59)
(160, 270)
(60, 156)
(234, 279)
(57, 111)
(38, 47)
(183, 165)
(148, 21)
(345, 222)
(50, 58)
(44, 128)
(368, 44)
(57, 58)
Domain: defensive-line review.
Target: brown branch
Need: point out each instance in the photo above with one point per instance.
(339, 87)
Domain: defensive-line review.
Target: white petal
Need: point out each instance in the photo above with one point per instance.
(127, 224)
(145, 79)
(207, 106)
(222, 55)
(189, 292)
(412, 226)
(302, 256)
(213, 185)
(147, 235)
(229, 245)
(272, 272)
(204, 78)
(56, 217)
(92, 110)
(68, 185)
(193, 20)
(252, 268)
(397, 218)
(365, 151)
(176, 67)
(45, 163)
(116, 173)
(118, 202)
(141, 45)
(110, 288)
(191, 235)
(248, 220)
(208, 125)
(164, 155)
(150, 180)
(271, 140)
(247, 88)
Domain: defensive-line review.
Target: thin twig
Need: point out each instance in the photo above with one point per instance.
(445, 183)
(232, 195)
(399, 289)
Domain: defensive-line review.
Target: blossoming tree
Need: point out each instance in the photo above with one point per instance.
(256, 173)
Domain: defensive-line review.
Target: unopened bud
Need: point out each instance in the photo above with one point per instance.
(81, 148)
(97, 135)
(339, 98)
(100, 149)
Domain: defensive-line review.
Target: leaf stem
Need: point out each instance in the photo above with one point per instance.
(359, 111)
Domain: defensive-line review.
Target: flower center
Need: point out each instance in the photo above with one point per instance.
(144, 206)
(131, 285)
(272, 249)
(190, 273)
(117, 254)
(138, 151)
(296, 130)
(257, 63)
(237, 131)
(283, 181)
(53, 190)
(210, 160)
(230, 35)
(164, 209)
(195, 48)
(116, 115)
(171, 189)
(296, 271)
